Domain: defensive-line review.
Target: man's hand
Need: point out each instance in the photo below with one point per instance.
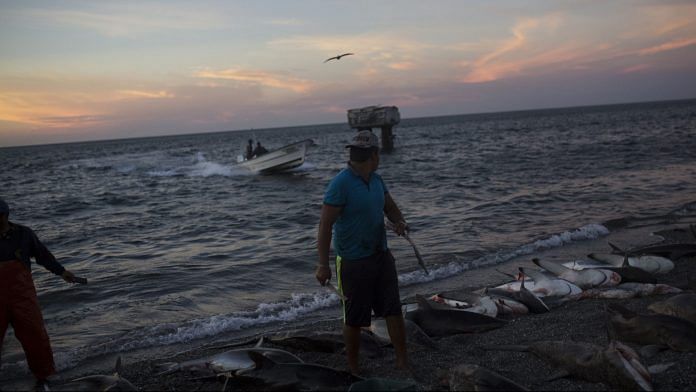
(68, 276)
(323, 273)
(401, 227)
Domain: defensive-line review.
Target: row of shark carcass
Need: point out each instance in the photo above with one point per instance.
(536, 290)
(618, 275)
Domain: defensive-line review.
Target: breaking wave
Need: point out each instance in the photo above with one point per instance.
(166, 334)
(588, 232)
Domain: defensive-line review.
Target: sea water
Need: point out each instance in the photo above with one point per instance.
(181, 246)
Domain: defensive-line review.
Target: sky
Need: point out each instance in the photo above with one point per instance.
(92, 70)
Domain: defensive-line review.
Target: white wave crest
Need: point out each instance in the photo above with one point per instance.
(165, 334)
(588, 232)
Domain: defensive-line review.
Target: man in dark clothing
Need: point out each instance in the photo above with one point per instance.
(19, 305)
(259, 150)
(353, 211)
(249, 150)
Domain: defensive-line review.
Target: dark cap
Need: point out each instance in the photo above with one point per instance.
(4, 208)
(364, 139)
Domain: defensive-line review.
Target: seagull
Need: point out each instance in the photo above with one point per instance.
(338, 57)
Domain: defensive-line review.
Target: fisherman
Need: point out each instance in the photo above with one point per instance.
(259, 150)
(19, 305)
(249, 150)
(354, 206)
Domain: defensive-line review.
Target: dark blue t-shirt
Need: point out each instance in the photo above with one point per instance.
(359, 230)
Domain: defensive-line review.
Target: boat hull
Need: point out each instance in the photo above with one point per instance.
(282, 159)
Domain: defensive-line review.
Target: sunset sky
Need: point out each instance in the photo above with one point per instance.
(88, 70)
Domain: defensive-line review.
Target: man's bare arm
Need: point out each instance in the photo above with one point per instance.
(394, 214)
(329, 215)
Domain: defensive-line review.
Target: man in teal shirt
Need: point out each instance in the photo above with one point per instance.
(353, 212)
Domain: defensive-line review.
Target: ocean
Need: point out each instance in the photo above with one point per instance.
(182, 247)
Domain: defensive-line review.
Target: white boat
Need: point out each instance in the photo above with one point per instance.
(281, 159)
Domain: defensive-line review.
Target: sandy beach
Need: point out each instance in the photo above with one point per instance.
(581, 321)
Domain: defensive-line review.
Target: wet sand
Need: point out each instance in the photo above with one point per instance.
(582, 321)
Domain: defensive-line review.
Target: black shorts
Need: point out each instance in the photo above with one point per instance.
(369, 284)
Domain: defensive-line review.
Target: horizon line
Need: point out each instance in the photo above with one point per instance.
(338, 123)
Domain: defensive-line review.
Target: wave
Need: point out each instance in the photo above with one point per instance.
(588, 232)
(167, 334)
(158, 164)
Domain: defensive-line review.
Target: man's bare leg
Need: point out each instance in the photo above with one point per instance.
(397, 334)
(351, 337)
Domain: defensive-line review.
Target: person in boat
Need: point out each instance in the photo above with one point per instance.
(259, 150)
(249, 150)
(353, 210)
(19, 305)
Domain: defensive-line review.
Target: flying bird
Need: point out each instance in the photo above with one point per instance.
(338, 57)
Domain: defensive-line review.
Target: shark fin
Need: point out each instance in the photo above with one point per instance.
(616, 249)
(261, 361)
(521, 278)
(260, 342)
(118, 368)
(536, 276)
(554, 268)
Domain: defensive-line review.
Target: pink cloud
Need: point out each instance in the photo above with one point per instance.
(147, 94)
(402, 66)
(496, 65)
(676, 44)
(259, 77)
(635, 68)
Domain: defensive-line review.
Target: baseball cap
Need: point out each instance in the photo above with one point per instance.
(4, 208)
(364, 139)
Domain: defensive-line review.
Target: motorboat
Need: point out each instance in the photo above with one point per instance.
(278, 160)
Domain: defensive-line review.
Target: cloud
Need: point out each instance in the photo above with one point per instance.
(402, 66)
(71, 121)
(262, 78)
(21, 111)
(147, 94)
(635, 68)
(53, 100)
(112, 19)
(494, 65)
(675, 44)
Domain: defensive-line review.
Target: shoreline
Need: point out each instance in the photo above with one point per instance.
(581, 321)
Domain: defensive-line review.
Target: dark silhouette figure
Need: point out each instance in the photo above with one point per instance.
(249, 150)
(259, 150)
